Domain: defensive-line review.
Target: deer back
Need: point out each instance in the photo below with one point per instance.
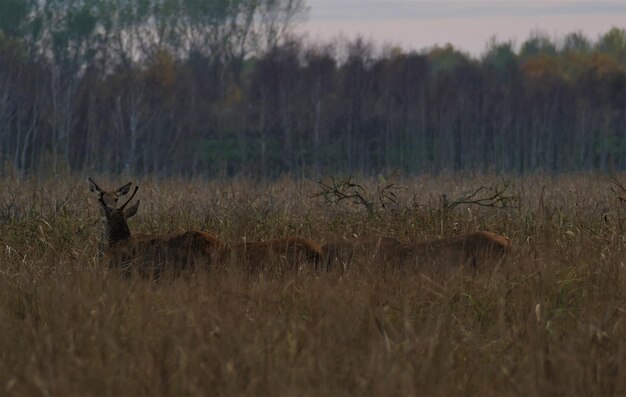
(173, 253)
(258, 254)
(471, 248)
(474, 249)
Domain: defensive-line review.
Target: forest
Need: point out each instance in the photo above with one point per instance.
(176, 87)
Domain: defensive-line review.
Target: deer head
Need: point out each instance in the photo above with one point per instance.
(116, 219)
(109, 197)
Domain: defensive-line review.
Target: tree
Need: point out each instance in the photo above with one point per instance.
(576, 42)
(537, 44)
(613, 42)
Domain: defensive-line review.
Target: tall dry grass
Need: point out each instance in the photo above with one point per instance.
(551, 319)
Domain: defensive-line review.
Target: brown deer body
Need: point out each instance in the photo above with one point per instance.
(256, 254)
(173, 253)
(473, 249)
(154, 255)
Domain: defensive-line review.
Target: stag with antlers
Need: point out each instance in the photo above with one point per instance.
(151, 255)
(110, 198)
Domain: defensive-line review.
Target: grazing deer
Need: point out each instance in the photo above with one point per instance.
(294, 250)
(110, 198)
(473, 249)
(153, 255)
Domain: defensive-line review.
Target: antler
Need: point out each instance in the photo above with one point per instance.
(94, 184)
(108, 210)
(131, 197)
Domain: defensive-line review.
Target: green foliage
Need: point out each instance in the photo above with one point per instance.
(81, 22)
(537, 44)
(576, 42)
(614, 43)
(500, 56)
(446, 59)
(209, 11)
(14, 16)
(223, 151)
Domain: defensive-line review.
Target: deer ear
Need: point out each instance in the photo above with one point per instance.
(123, 190)
(93, 186)
(132, 210)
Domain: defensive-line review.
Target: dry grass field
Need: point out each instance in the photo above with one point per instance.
(548, 320)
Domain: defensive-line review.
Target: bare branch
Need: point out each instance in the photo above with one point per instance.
(344, 189)
(484, 196)
(339, 190)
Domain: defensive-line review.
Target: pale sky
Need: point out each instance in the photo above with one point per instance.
(466, 24)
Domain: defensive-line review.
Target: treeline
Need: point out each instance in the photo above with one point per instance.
(190, 87)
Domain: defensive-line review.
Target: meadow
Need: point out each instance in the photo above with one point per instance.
(549, 319)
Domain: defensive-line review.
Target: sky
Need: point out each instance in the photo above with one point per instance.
(466, 24)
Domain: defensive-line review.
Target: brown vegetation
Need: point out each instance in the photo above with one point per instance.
(549, 320)
(378, 248)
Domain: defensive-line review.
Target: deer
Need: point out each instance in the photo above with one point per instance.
(254, 254)
(110, 198)
(472, 249)
(152, 255)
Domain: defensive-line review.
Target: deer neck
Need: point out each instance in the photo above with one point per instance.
(116, 230)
